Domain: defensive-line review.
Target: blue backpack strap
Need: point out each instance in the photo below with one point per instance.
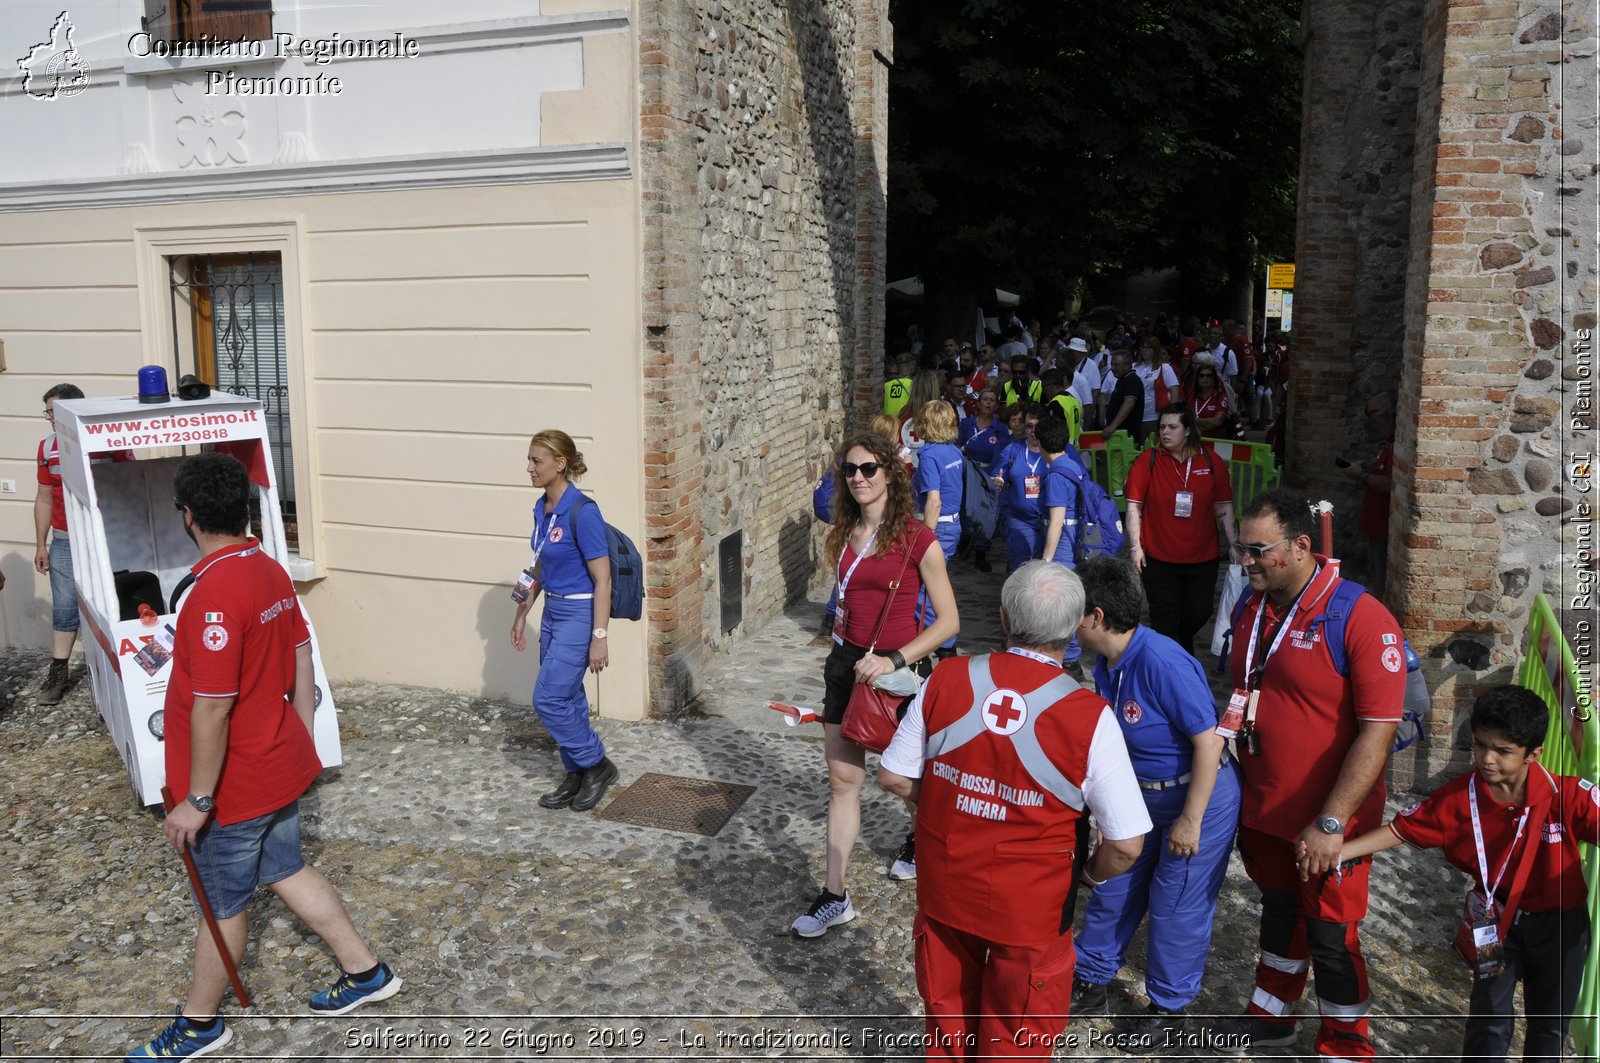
(572, 519)
(1334, 618)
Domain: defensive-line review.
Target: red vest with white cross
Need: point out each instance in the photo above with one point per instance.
(1001, 820)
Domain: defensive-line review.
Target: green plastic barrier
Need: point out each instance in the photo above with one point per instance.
(1252, 467)
(1571, 747)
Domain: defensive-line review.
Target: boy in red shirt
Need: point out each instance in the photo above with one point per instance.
(1515, 829)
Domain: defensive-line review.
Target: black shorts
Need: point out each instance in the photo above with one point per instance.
(839, 676)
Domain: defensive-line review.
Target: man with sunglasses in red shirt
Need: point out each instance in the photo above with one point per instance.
(1312, 741)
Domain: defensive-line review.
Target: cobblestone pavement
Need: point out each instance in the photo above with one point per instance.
(523, 933)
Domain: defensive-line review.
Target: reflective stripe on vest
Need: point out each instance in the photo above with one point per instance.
(1024, 742)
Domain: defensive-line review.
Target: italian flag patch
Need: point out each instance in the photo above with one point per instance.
(213, 618)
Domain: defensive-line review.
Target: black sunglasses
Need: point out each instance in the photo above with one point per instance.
(869, 469)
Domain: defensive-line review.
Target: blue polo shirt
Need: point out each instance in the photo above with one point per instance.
(1160, 696)
(1061, 489)
(1017, 463)
(983, 445)
(562, 570)
(941, 469)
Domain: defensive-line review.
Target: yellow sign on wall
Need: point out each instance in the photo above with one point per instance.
(1281, 275)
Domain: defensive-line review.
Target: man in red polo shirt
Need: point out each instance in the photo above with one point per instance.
(1005, 756)
(1312, 746)
(238, 742)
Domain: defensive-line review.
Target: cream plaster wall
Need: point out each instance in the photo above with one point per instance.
(441, 327)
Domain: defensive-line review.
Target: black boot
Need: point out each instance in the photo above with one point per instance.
(54, 687)
(596, 781)
(563, 794)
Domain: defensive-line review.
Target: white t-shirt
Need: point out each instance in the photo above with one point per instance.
(1110, 788)
(1085, 382)
(1148, 376)
(1226, 362)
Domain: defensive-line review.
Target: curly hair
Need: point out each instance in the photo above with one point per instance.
(215, 489)
(897, 504)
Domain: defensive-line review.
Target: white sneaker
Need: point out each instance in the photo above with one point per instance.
(904, 867)
(825, 911)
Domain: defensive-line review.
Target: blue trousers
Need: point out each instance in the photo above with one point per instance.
(63, 591)
(558, 695)
(949, 536)
(1178, 893)
(1022, 542)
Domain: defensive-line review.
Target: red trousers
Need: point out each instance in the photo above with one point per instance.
(1305, 925)
(984, 1000)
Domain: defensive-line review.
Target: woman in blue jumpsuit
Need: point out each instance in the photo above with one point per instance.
(1020, 475)
(1168, 718)
(571, 569)
(939, 483)
(982, 437)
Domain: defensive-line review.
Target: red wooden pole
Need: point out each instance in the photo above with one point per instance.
(205, 909)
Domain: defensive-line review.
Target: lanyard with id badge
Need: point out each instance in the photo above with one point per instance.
(1031, 482)
(1183, 502)
(1478, 932)
(844, 585)
(528, 580)
(1239, 720)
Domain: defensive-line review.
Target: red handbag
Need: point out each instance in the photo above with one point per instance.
(872, 715)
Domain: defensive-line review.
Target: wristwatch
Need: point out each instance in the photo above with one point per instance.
(896, 658)
(599, 632)
(202, 802)
(1329, 825)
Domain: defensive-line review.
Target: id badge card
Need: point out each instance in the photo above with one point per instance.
(839, 615)
(526, 582)
(1030, 487)
(1183, 504)
(155, 654)
(1233, 716)
(1478, 937)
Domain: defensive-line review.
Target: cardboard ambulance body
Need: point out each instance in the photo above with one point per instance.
(121, 518)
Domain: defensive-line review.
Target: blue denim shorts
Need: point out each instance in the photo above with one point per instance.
(63, 592)
(234, 859)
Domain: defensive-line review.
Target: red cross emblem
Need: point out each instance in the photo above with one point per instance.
(215, 637)
(555, 535)
(1131, 712)
(1004, 712)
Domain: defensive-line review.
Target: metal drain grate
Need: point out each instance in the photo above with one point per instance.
(672, 802)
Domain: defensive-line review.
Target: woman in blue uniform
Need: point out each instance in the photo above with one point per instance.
(939, 483)
(982, 437)
(1168, 718)
(1020, 474)
(571, 569)
(1058, 508)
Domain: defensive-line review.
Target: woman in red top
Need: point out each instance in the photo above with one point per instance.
(1209, 401)
(872, 537)
(1179, 495)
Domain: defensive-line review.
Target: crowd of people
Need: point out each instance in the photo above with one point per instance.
(1005, 759)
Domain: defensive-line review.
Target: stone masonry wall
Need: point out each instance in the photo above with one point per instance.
(757, 149)
(1359, 114)
(1492, 514)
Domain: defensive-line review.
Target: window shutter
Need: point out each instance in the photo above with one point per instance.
(231, 20)
(161, 19)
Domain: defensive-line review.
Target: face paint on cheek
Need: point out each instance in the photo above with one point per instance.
(1279, 562)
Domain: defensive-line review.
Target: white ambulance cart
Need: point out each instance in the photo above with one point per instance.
(130, 554)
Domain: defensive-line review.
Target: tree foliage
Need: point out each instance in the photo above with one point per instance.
(1037, 141)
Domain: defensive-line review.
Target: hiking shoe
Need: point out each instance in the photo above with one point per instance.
(827, 910)
(182, 1040)
(1088, 998)
(597, 779)
(347, 994)
(54, 687)
(904, 868)
(1245, 1032)
(1154, 1028)
(563, 794)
